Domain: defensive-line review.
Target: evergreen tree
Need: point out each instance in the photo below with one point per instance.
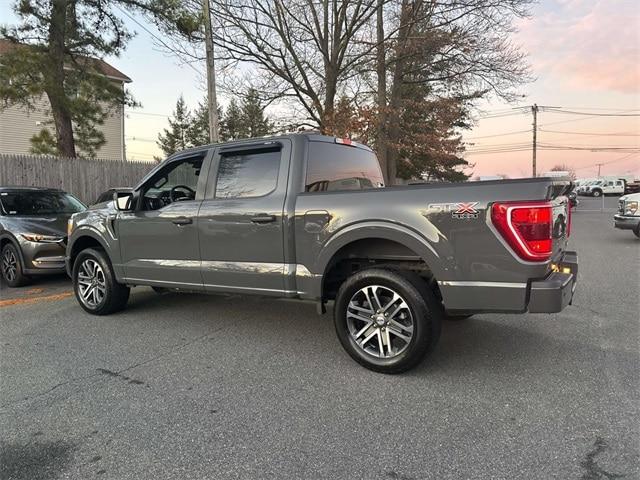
(254, 122)
(198, 131)
(54, 47)
(233, 125)
(177, 136)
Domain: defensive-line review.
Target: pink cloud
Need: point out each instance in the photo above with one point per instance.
(586, 44)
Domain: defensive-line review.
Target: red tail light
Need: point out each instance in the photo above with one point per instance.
(527, 228)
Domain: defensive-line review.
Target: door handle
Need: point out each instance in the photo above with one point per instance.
(182, 221)
(263, 218)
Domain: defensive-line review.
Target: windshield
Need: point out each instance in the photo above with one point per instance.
(39, 203)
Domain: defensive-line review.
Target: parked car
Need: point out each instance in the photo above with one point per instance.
(628, 216)
(33, 231)
(307, 216)
(604, 187)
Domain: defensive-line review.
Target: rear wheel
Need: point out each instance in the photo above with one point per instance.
(12, 267)
(387, 320)
(95, 285)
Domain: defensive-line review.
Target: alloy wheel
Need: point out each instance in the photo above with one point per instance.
(9, 265)
(91, 283)
(380, 321)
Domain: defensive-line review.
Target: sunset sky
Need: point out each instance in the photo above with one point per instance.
(585, 55)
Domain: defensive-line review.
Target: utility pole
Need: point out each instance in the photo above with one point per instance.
(211, 74)
(599, 165)
(534, 110)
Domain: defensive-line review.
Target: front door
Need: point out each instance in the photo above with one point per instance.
(159, 239)
(241, 219)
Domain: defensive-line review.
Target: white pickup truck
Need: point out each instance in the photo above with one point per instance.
(603, 187)
(628, 216)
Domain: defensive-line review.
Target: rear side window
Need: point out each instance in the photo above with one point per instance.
(248, 174)
(335, 167)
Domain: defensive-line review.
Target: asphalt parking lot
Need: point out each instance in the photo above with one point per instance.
(213, 387)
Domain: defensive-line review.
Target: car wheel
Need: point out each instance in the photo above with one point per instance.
(95, 285)
(12, 267)
(387, 320)
(596, 193)
(636, 231)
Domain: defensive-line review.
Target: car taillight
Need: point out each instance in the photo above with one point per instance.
(527, 228)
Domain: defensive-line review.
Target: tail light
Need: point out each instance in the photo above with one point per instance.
(527, 228)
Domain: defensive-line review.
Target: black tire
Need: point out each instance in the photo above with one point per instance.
(456, 318)
(596, 193)
(12, 272)
(115, 296)
(426, 317)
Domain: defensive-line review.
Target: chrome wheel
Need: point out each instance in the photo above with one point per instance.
(9, 265)
(380, 321)
(91, 283)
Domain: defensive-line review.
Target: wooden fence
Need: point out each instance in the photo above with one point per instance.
(84, 178)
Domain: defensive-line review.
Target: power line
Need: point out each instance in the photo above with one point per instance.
(607, 163)
(499, 135)
(611, 134)
(572, 112)
(154, 36)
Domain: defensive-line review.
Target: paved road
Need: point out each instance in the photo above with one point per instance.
(195, 387)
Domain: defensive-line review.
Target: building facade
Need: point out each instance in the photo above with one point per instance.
(17, 125)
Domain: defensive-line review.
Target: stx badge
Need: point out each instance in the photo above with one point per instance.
(466, 210)
(462, 211)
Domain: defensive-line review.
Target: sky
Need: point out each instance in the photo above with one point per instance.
(584, 54)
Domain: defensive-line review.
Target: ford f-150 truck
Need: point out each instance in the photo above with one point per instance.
(628, 216)
(308, 216)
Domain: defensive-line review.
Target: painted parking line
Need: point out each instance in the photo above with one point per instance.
(30, 300)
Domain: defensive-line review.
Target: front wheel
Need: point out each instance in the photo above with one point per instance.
(596, 193)
(95, 285)
(12, 267)
(387, 320)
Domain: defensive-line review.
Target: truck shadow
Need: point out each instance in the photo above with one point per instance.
(502, 343)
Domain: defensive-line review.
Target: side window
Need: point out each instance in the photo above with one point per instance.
(177, 182)
(252, 173)
(333, 167)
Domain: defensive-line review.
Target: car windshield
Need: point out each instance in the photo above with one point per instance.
(21, 203)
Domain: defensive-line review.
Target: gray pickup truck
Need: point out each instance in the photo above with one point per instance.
(307, 216)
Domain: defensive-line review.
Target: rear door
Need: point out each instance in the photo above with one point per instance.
(241, 223)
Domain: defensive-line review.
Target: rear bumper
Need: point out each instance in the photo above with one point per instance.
(555, 292)
(626, 222)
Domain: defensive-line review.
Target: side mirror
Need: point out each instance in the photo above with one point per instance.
(123, 200)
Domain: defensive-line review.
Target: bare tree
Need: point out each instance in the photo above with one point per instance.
(303, 49)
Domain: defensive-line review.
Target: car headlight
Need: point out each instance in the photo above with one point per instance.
(38, 238)
(630, 208)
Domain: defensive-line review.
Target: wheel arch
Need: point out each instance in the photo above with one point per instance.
(9, 238)
(363, 246)
(82, 240)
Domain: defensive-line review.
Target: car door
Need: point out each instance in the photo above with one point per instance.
(159, 239)
(241, 224)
